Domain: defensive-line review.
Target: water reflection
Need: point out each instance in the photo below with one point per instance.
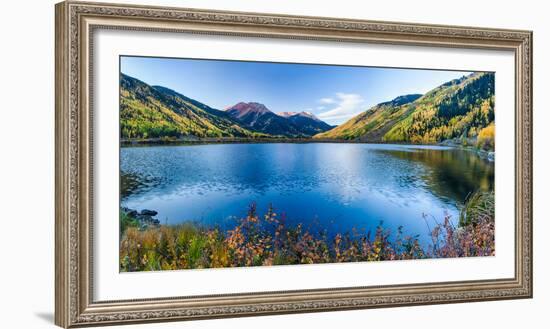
(336, 187)
(453, 173)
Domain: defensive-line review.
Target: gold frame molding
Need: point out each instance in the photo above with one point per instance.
(75, 23)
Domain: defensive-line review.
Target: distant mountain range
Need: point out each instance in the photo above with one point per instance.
(309, 124)
(257, 117)
(155, 112)
(458, 108)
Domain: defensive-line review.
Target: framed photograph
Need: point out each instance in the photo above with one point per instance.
(219, 164)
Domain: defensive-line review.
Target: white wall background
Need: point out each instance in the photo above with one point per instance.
(27, 162)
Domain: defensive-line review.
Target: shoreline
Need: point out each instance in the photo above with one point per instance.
(290, 140)
(198, 141)
(484, 154)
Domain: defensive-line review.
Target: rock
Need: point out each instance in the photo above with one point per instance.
(144, 218)
(147, 212)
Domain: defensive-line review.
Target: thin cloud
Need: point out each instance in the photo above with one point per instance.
(327, 100)
(347, 105)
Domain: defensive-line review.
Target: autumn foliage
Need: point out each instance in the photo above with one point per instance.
(486, 138)
(267, 240)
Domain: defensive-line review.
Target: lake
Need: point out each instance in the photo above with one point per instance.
(333, 186)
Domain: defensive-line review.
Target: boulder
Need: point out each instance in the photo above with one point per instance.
(147, 212)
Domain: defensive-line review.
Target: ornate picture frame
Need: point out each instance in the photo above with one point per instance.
(76, 23)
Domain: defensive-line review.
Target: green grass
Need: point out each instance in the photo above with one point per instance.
(126, 222)
(479, 206)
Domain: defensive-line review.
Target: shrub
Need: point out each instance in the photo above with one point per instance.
(486, 138)
(267, 240)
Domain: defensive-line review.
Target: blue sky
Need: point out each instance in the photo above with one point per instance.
(333, 93)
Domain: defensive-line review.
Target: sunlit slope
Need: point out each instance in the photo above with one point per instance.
(458, 108)
(152, 112)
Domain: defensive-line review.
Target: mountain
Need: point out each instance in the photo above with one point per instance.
(307, 122)
(374, 123)
(258, 117)
(153, 111)
(458, 108)
(462, 108)
(287, 114)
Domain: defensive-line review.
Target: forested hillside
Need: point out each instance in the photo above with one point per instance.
(460, 108)
(153, 112)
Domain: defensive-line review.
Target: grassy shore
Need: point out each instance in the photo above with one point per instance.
(266, 240)
(273, 139)
(239, 140)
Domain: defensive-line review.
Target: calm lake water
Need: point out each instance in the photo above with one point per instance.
(337, 187)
